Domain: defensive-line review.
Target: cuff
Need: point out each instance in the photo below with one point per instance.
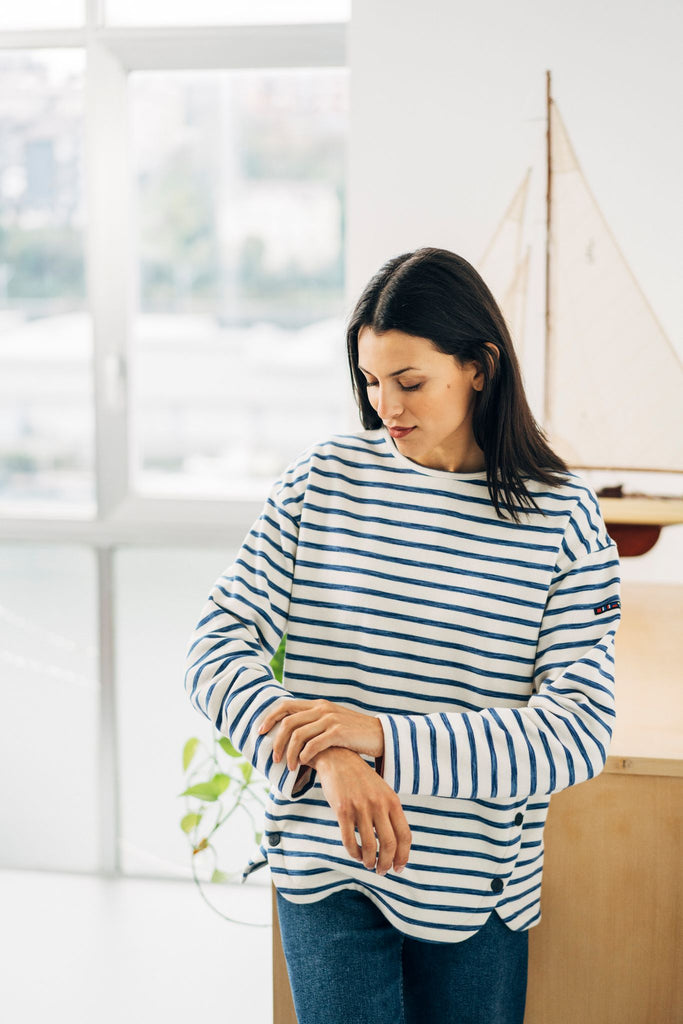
(289, 785)
(304, 780)
(388, 765)
(292, 785)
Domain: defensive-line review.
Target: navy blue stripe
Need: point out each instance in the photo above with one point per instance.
(473, 755)
(433, 751)
(454, 753)
(551, 763)
(397, 759)
(511, 752)
(416, 755)
(494, 759)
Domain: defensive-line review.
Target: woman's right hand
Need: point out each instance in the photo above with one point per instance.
(363, 801)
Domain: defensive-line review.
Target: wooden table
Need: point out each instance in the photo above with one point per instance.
(609, 947)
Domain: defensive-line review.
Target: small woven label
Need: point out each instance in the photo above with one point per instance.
(607, 607)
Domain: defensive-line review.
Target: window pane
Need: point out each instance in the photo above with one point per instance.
(50, 696)
(220, 12)
(165, 589)
(42, 14)
(239, 350)
(46, 414)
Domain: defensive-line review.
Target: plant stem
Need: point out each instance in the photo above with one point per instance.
(253, 924)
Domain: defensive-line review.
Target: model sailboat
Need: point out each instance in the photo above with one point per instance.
(613, 382)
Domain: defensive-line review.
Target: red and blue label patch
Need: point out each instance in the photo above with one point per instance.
(607, 607)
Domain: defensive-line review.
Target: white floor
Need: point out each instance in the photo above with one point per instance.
(75, 949)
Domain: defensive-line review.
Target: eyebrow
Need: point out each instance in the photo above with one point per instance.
(396, 373)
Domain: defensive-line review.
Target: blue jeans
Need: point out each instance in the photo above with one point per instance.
(348, 965)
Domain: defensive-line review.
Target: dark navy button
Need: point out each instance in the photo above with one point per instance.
(497, 885)
(274, 839)
(519, 818)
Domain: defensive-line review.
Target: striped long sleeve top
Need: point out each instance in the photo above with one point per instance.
(485, 647)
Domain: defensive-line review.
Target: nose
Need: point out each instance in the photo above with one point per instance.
(389, 405)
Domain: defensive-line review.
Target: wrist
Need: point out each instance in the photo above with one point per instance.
(330, 755)
(379, 753)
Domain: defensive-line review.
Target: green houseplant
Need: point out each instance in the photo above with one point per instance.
(219, 781)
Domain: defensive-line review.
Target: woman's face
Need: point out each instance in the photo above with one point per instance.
(411, 383)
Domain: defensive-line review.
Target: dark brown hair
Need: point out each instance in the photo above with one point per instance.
(432, 293)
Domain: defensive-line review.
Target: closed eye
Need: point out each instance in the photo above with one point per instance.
(373, 384)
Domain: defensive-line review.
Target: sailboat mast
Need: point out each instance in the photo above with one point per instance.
(548, 375)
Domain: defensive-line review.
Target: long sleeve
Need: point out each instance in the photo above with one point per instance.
(228, 677)
(561, 736)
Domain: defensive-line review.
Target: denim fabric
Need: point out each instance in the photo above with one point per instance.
(348, 964)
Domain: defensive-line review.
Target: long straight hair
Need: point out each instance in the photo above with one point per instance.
(434, 294)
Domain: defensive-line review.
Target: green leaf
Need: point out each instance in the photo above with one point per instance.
(227, 746)
(221, 782)
(246, 770)
(278, 659)
(203, 790)
(209, 790)
(219, 876)
(258, 836)
(190, 821)
(189, 752)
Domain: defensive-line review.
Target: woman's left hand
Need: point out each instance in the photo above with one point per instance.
(309, 726)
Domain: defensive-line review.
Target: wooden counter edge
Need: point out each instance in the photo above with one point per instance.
(666, 766)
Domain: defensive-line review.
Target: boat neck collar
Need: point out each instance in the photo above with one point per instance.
(477, 474)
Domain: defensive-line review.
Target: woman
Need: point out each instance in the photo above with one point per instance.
(450, 596)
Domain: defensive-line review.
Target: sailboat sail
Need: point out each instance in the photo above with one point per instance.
(505, 270)
(614, 381)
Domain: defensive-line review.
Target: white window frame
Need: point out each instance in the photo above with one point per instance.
(123, 518)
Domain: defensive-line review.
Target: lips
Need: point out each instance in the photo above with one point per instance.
(400, 431)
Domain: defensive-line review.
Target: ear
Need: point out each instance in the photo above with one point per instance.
(492, 355)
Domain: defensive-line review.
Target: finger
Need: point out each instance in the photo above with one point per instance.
(314, 746)
(348, 834)
(387, 843)
(298, 740)
(368, 841)
(287, 727)
(287, 707)
(404, 837)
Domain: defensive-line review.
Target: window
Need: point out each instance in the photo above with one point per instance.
(50, 699)
(238, 355)
(47, 415)
(172, 243)
(42, 14)
(218, 12)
